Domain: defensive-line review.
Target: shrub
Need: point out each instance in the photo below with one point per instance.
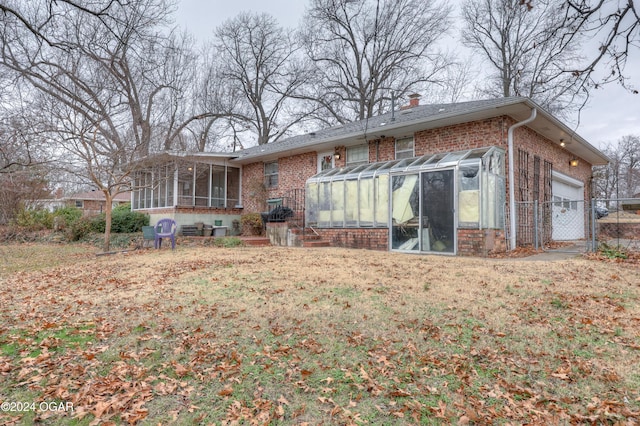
(228, 242)
(70, 215)
(251, 224)
(81, 228)
(123, 221)
(612, 252)
(34, 220)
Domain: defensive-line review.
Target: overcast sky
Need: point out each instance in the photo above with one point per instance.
(612, 112)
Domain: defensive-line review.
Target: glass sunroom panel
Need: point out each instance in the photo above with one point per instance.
(351, 202)
(404, 213)
(477, 153)
(452, 158)
(337, 203)
(366, 202)
(324, 204)
(311, 203)
(493, 201)
(469, 194)
(381, 194)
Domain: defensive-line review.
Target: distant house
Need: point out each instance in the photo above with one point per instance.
(93, 202)
(425, 178)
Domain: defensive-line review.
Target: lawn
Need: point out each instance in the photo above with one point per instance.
(208, 335)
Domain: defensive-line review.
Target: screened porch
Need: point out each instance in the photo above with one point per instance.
(185, 183)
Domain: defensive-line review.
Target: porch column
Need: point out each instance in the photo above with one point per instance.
(175, 184)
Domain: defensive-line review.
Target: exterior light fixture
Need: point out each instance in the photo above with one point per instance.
(336, 155)
(562, 144)
(574, 162)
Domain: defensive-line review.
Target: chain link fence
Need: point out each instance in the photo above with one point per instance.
(617, 223)
(578, 226)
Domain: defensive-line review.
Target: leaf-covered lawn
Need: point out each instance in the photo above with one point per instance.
(315, 336)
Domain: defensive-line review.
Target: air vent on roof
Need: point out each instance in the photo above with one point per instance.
(406, 111)
(441, 110)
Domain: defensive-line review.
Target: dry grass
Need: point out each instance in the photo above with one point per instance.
(326, 336)
(621, 216)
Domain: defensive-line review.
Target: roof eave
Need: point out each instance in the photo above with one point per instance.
(517, 108)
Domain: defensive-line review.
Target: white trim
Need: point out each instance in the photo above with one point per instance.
(321, 155)
(568, 180)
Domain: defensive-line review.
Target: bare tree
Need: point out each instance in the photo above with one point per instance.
(614, 24)
(23, 164)
(114, 81)
(211, 92)
(621, 177)
(365, 50)
(527, 53)
(258, 61)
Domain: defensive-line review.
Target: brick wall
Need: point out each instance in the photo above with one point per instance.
(531, 142)
(91, 207)
(480, 242)
(360, 238)
(295, 170)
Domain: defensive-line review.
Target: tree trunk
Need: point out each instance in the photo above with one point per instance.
(107, 220)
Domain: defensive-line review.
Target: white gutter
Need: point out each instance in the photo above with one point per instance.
(512, 189)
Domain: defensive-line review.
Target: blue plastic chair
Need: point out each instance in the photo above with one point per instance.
(165, 228)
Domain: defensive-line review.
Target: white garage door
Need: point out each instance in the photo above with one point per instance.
(567, 208)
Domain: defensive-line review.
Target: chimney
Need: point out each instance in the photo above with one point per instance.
(414, 100)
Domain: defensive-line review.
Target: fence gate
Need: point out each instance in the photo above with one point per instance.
(564, 225)
(559, 225)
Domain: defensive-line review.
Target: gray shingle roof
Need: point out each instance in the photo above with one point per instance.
(417, 114)
(406, 122)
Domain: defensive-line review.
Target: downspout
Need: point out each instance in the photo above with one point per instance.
(512, 190)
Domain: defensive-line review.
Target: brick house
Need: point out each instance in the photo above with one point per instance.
(425, 178)
(93, 202)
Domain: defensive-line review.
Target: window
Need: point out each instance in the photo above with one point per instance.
(79, 204)
(325, 161)
(404, 148)
(271, 174)
(358, 154)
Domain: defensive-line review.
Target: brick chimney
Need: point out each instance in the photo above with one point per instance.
(414, 101)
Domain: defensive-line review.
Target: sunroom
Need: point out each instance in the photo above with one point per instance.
(190, 188)
(424, 201)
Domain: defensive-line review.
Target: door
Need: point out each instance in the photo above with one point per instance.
(567, 208)
(438, 233)
(325, 161)
(423, 212)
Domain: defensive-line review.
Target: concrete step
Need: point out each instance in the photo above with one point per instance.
(256, 241)
(316, 243)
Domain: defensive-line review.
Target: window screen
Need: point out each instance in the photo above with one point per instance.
(404, 148)
(271, 174)
(358, 154)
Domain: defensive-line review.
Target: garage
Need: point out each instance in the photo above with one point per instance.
(567, 208)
